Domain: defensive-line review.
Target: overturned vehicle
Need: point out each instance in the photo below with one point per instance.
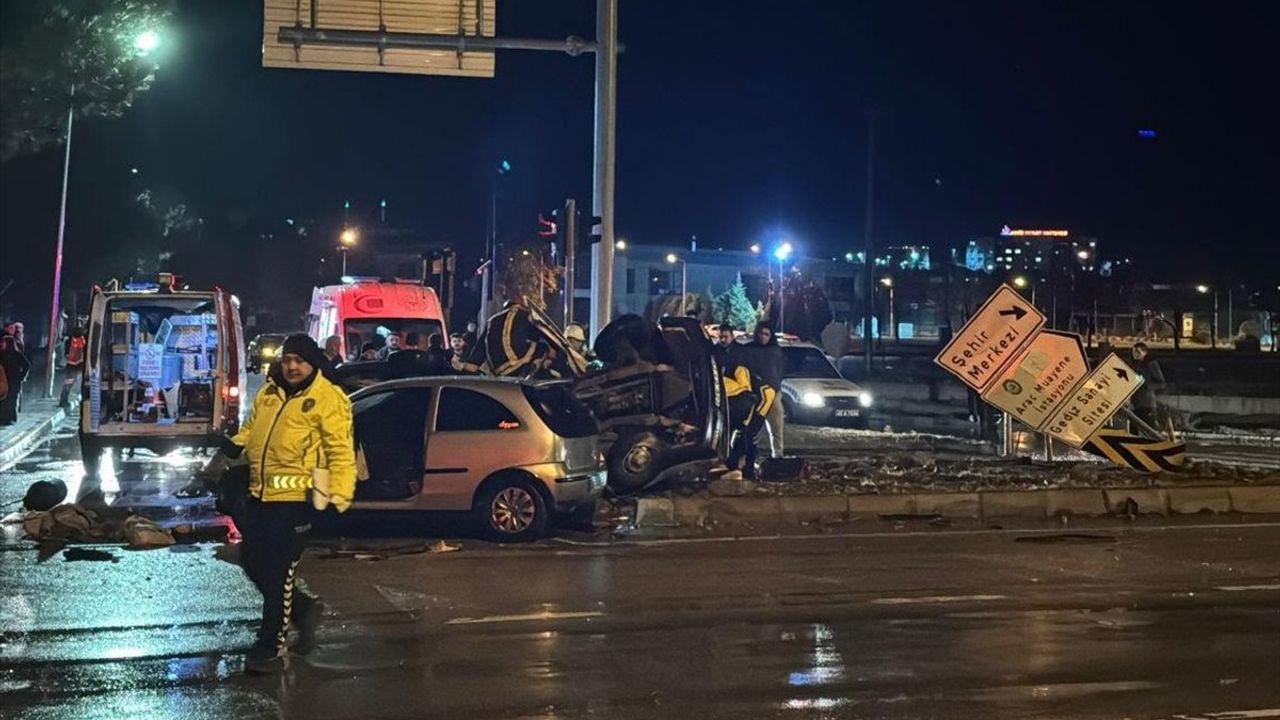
(659, 400)
(657, 393)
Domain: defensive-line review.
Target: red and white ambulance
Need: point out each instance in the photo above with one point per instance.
(363, 310)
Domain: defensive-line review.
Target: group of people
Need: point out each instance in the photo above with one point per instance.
(457, 358)
(752, 380)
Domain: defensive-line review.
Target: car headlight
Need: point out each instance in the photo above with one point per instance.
(864, 399)
(812, 399)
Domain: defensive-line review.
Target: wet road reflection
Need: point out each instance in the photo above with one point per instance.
(1143, 624)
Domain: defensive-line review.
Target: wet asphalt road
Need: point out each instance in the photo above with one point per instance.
(1156, 619)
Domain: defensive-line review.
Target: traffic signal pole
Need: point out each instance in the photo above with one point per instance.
(603, 176)
(570, 249)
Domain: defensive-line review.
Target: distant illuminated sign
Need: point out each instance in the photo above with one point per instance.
(1007, 232)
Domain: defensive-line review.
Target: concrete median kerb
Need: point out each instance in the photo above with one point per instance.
(699, 511)
(1086, 502)
(949, 505)
(1258, 499)
(814, 508)
(1014, 504)
(1191, 500)
(882, 505)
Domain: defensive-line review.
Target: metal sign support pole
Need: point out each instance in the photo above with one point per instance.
(603, 174)
(570, 256)
(1006, 436)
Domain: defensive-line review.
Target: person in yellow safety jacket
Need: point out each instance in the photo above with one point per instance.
(298, 442)
(750, 401)
(513, 345)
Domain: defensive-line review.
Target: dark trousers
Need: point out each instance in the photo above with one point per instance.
(274, 534)
(69, 378)
(742, 413)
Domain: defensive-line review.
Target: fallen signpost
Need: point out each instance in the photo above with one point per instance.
(1042, 379)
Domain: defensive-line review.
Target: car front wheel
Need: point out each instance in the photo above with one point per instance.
(510, 509)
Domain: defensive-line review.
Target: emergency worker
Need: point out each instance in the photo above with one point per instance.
(301, 456)
(750, 400)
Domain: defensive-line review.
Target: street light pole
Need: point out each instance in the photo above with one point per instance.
(57, 255)
(1213, 342)
(603, 173)
(684, 279)
(868, 257)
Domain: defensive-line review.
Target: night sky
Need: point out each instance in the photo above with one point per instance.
(736, 120)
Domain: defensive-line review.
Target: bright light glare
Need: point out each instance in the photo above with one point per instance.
(1083, 254)
(147, 41)
(348, 237)
(886, 281)
(812, 399)
(1202, 289)
(671, 258)
(865, 399)
(755, 248)
(783, 252)
(621, 244)
(1019, 282)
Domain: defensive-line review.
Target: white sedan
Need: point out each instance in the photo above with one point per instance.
(814, 392)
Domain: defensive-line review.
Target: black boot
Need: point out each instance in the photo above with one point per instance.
(307, 610)
(263, 660)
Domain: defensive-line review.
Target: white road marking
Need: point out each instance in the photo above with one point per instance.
(1247, 588)
(524, 618)
(935, 599)
(1231, 715)
(1119, 531)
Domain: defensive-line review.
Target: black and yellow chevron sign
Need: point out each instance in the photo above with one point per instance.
(1136, 452)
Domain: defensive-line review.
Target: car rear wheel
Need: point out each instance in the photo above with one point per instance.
(634, 461)
(510, 509)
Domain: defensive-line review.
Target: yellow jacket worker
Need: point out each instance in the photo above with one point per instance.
(298, 441)
(750, 400)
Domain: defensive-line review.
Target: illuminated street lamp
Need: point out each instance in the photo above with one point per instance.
(1083, 255)
(782, 252)
(347, 240)
(146, 42)
(620, 244)
(1021, 282)
(684, 278)
(1213, 333)
(893, 326)
(755, 248)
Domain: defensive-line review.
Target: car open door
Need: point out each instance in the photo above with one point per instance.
(91, 374)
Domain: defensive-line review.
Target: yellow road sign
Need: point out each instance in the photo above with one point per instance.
(1138, 453)
(1101, 395)
(1041, 378)
(991, 339)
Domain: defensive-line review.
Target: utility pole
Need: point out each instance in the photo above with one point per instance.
(603, 175)
(570, 248)
(57, 258)
(868, 256)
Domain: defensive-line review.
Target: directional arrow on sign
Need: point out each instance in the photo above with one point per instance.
(1093, 402)
(992, 338)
